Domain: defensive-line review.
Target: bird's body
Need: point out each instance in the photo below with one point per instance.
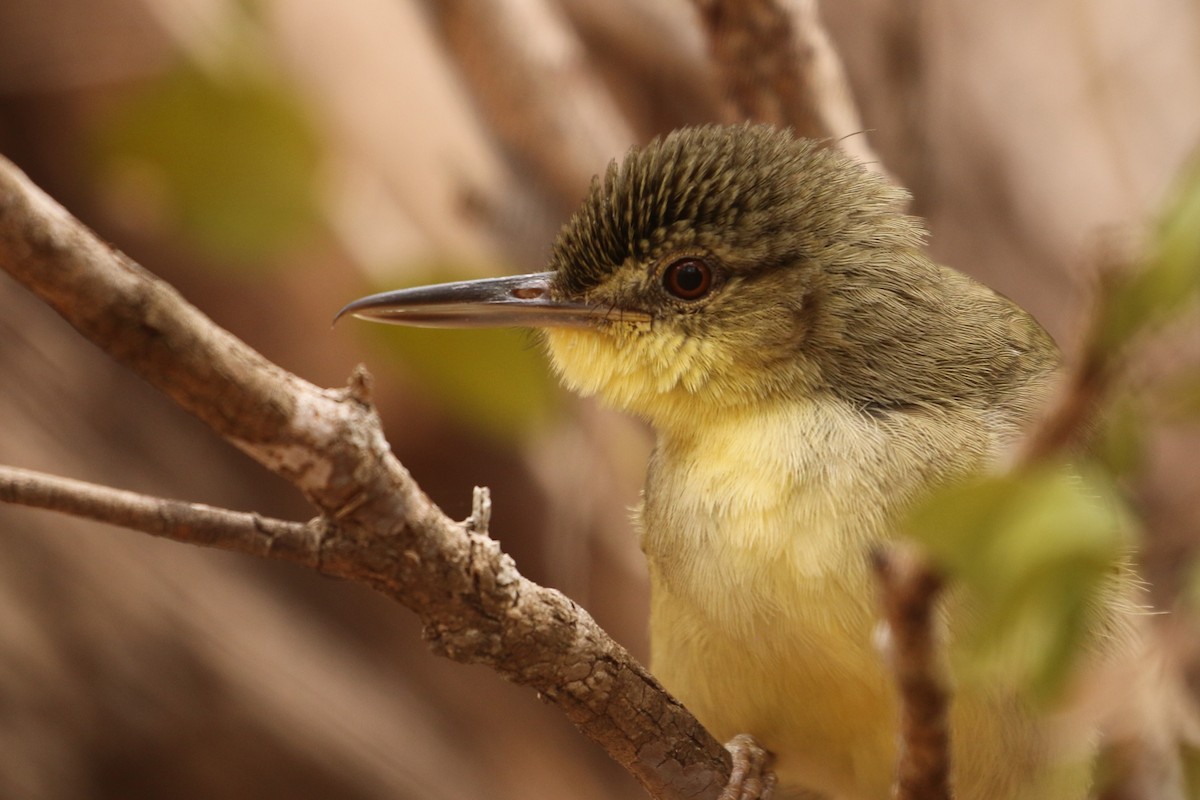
(758, 657)
(784, 453)
(756, 522)
(809, 373)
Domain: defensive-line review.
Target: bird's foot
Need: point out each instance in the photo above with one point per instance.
(750, 779)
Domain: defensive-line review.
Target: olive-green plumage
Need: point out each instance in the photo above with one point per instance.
(824, 270)
(764, 302)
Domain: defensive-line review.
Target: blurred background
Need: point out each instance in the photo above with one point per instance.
(274, 160)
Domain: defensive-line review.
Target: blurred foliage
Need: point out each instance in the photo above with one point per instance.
(1182, 398)
(1120, 444)
(1169, 280)
(1035, 549)
(228, 156)
(1190, 757)
(495, 380)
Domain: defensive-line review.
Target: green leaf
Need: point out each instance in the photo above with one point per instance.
(1035, 552)
(230, 159)
(1170, 279)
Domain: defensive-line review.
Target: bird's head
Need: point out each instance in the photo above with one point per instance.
(722, 267)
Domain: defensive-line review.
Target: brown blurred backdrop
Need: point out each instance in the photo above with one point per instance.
(275, 159)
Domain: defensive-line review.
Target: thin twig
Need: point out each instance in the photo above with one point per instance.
(481, 510)
(909, 589)
(1071, 411)
(193, 523)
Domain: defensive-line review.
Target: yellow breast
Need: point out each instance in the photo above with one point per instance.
(756, 533)
(759, 511)
(757, 529)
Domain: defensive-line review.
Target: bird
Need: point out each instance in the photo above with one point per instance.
(767, 305)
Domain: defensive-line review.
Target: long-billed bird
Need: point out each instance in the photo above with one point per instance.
(765, 304)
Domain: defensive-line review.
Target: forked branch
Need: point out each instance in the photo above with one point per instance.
(378, 528)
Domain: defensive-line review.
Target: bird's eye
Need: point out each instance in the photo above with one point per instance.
(688, 278)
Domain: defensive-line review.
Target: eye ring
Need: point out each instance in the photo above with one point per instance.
(688, 278)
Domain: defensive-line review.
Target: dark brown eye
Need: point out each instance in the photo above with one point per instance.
(688, 278)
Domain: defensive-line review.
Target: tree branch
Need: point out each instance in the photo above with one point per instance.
(781, 67)
(1072, 409)
(381, 530)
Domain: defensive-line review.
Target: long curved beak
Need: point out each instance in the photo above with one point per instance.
(515, 301)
